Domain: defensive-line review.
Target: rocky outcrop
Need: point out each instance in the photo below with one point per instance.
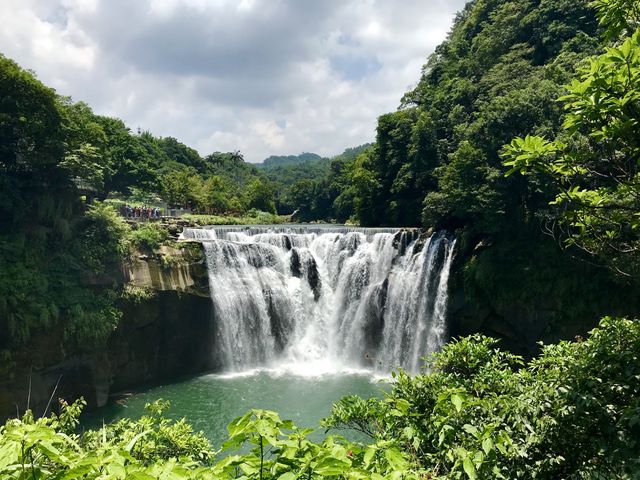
(177, 268)
(542, 301)
(518, 329)
(163, 334)
(161, 338)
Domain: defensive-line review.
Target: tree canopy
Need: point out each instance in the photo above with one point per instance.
(593, 161)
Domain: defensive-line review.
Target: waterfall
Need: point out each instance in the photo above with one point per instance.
(325, 298)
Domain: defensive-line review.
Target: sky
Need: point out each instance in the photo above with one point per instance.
(265, 77)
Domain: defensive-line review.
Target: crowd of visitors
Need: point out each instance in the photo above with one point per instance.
(140, 212)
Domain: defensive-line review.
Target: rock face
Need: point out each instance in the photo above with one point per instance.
(518, 329)
(160, 337)
(172, 269)
(543, 317)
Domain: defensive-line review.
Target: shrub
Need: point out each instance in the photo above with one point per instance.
(149, 236)
(574, 412)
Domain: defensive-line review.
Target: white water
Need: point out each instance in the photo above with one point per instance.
(325, 300)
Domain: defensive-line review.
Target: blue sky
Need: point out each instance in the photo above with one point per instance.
(266, 77)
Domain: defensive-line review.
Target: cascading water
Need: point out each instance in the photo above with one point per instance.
(322, 299)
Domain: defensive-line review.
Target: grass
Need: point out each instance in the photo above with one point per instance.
(253, 218)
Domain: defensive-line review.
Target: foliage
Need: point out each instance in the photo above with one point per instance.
(49, 448)
(467, 185)
(622, 17)
(437, 157)
(153, 437)
(593, 162)
(275, 161)
(127, 161)
(136, 294)
(478, 412)
(48, 246)
(571, 413)
(104, 237)
(315, 188)
(181, 187)
(287, 176)
(154, 447)
(253, 217)
(149, 236)
(260, 196)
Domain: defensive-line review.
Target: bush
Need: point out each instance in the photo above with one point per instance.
(253, 217)
(103, 237)
(572, 413)
(149, 236)
(137, 294)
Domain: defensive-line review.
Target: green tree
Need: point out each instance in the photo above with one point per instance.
(593, 162)
(367, 201)
(182, 187)
(259, 195)
(85, 143)
(218, 195)
(466, 186)
(301, 197)
(33, 190)
(127, 160)
(180, 153)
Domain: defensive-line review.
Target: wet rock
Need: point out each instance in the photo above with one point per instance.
(306, 266)
(280, 324)
(294, 264)
(402, 239)
(287, 243)
(313, 277)
(374, 326)
(422, 240)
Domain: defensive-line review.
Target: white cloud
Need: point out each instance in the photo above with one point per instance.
(260, 76)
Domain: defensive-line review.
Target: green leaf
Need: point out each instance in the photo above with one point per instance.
(469, 468)
(287, 476)
(457, 401)
(470, 429)
(9, 454)
(139, 476)
(134, 440)
(487, 445)
(331, 466)
(368, 455)
(395, 459)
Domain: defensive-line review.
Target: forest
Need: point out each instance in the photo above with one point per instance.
(521, 137)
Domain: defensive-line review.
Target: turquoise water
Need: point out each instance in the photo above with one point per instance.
(211, 402)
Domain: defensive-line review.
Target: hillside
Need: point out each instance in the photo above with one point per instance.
(277, 161)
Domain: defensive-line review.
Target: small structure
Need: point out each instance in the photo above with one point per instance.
(85, 189)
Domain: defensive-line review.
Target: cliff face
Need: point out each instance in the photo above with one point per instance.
(179, 268)
(163, 334)
(528, 297)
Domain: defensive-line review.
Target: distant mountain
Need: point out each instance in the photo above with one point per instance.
(278, 161)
